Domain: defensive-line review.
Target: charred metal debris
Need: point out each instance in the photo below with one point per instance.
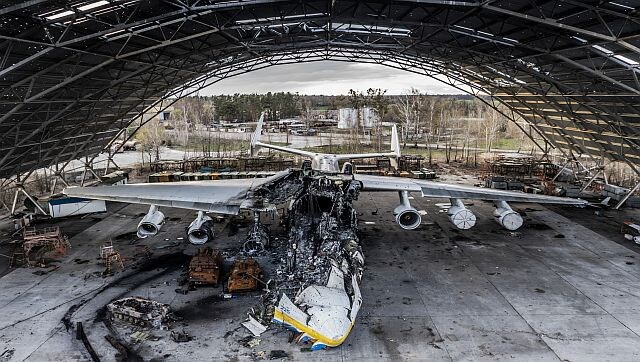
(319, 264)
(141, 312)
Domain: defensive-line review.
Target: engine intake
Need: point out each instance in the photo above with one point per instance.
(151, 223)
(635, 239)
(406, 216)
(200, 230)
(460, 216)
(506, 217)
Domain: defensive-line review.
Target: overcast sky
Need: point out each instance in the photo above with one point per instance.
(329, 78)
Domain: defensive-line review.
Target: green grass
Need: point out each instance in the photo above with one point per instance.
(200, 144)
(506, 144)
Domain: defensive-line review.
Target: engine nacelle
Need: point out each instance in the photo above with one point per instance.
(200, 230)
(347, 168)
(635, 239)
(406, 216)
(506, 217)
(460, 216)
(151, 223)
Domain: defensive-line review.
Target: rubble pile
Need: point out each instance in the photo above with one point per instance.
(322, 234)
(244, 276)
(320, 264)
(140, 311)
(38, 243)
(205, 267)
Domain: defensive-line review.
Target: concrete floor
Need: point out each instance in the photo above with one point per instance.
(554, 290)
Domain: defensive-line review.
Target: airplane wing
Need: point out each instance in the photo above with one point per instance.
(351, 156)
(393, 154)
(294, 151)
(219, 196)
(437, 189)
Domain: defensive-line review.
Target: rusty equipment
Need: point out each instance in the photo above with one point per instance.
(110, 257)
(204, 267)
(140, 311)
(37, 243)
(244, 276)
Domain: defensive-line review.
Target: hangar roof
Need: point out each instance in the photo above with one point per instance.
(74, 73)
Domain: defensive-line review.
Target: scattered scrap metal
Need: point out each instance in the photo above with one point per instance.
(316, 291)
(110, 258)
(245, 276)
(38, 243)
(180, 337)
(205, 267)
(140, 311)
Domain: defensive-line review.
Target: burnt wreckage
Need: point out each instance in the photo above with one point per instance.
(317, 286)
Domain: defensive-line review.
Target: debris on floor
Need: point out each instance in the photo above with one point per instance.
(110, 258)
(245, 276)
(139, 336)
(7, 354)
(278, 354)
(250, 341)
(140, 311)
(255, 327)
(37, 244)
(180, 337)
(317, 291)
(204, 267)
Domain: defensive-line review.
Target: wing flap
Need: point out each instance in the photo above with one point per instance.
(437, 189)
(219, 196)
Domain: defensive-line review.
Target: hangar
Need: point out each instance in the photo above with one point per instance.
(74, 74)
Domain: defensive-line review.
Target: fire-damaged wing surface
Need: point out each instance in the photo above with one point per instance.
(218, 196)
(443, 190)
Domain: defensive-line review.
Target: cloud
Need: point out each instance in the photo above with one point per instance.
(329, 78)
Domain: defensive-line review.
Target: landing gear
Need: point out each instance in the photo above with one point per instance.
(257, 238)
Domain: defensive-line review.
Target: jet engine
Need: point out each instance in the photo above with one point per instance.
(635, 239)
(406, 216)
(201, 229)
(460, 216)
(506, 217)
(150, 223)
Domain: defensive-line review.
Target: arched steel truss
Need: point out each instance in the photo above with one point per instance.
(73, 74)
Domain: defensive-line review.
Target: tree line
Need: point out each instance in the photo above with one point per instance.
(453, 127)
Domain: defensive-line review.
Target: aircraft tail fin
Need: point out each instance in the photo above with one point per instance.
(395, 146)
(255, 138)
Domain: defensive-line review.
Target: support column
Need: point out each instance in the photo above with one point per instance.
(94, 173)
(15, 202)
(109, 162)
(84, 175)
(560, 172)
(57, 175)
(4, 206)
(626, 197)
(591, 180)
(20, 188)
(88, 166)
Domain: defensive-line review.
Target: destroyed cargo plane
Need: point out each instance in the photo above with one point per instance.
(320, 295)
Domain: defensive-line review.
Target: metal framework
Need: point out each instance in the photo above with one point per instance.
(73, 74)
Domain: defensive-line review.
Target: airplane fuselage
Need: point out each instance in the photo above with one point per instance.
(325, 163)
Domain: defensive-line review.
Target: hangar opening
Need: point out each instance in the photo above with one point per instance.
(472, 264)
(74, 76)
